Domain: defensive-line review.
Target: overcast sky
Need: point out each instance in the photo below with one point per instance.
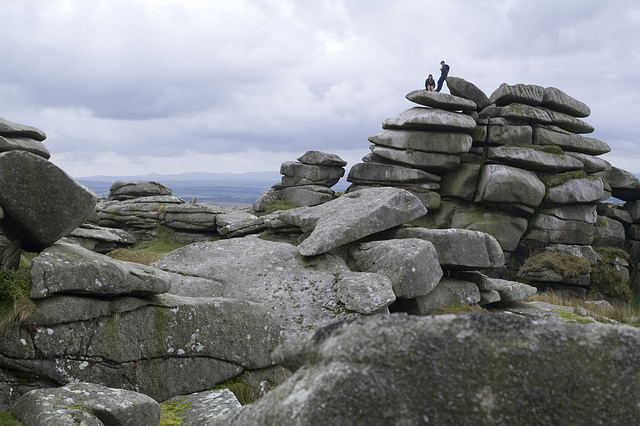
(127, 87)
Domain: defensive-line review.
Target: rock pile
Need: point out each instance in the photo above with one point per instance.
(515, 165)
(306, 182)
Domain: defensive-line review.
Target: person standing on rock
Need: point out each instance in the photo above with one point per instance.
(444, 72)
(430, 83)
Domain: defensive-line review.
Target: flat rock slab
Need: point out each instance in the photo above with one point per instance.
(558, 100)
(533, 159)
(389, 174)
(419, 118)
(87, 404)
(552, 135)
(24, 144)
(299, 291)
(624, 185)
(41, 203)
(454, 369)
(433, 162)
(528, 94)
(353, 216)
(576, 191)
(72, 269)
(525, 112)
(441, 100)
(443, 142)
(11, 129)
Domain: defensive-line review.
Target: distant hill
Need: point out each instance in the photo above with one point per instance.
(221, 189)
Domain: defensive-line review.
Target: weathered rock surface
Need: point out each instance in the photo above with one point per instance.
(624, 185)
(464, 89)
(447, 291)
(11, 129)
(433, 162)
(458, 249)
(24, 144)
(529, 94)
(558, 100)
(365, 292)
(319, 158)
(40, 202)
(437, 368)
(388, 173)
(352, 216)
(552, 135)
(67, 268)
(86, 404)
(162, 346)
(509, 185)
(575, 191)
(533, 159)
(411, 264)
(419, 118)
(298, 291)
(450, 143)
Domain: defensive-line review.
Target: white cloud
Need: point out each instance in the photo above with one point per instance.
(160, 84)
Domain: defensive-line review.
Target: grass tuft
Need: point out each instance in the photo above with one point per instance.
(15, 304)
(279, 205)
(565, 264)
(146, 252)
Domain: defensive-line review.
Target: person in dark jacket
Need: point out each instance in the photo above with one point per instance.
(444, 72)
(430, 83)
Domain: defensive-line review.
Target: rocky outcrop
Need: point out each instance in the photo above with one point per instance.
(471, 369)
(306, 182)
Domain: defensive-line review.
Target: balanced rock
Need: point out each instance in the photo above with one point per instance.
(15, 130)
(464, 89)
(41, 203)
(319, 158)
(352, 216)
(127, 190)
(24, 144)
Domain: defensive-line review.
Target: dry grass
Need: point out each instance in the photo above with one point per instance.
(15, 303)
(618, 312)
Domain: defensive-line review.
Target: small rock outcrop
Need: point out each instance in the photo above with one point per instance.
(306, 182)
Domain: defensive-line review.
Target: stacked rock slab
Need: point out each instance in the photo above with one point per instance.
(418, 146)
(306, 182)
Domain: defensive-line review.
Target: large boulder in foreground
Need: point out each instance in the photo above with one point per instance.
(469, 369)
(86, 404)
(41, 203)
(353, 216)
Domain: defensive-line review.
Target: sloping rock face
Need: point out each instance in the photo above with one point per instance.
(471, 369)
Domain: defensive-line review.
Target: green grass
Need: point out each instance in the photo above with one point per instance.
(6, 419)
(170, 412)
(561, 178)
(279, 205)
(146, 252)
(15, 304)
